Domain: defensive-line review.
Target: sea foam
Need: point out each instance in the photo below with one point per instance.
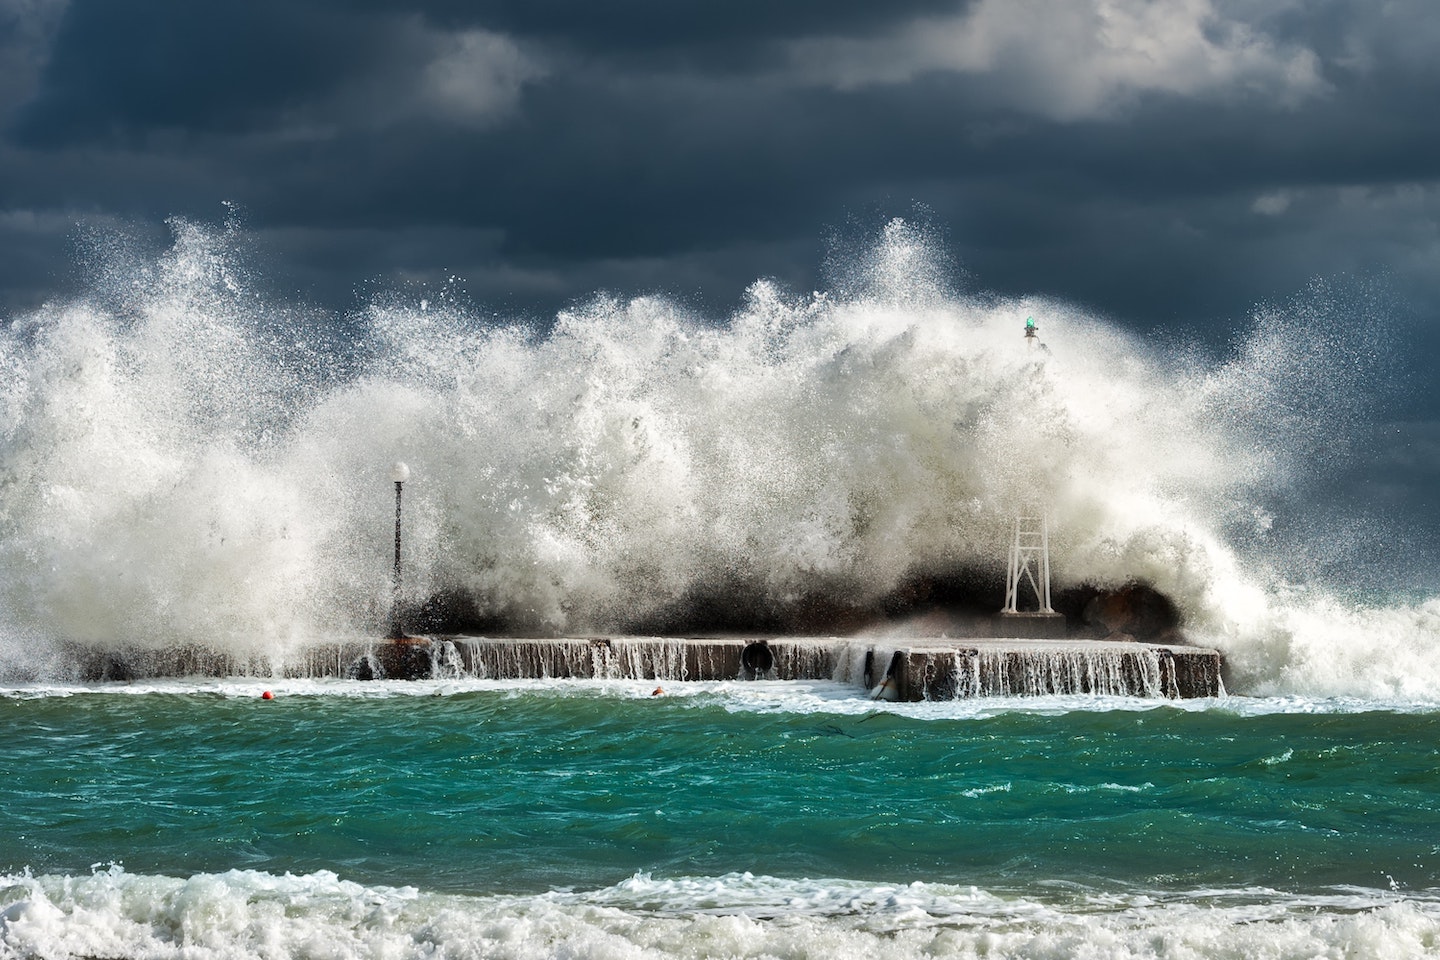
(184, 463)
(250, 914)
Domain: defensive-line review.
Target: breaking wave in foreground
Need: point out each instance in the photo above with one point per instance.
(250, 914)
(562, 819)
(183, 463)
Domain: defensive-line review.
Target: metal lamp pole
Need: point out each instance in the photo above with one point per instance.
(399, 473)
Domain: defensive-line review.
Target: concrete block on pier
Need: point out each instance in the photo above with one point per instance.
(409, 658)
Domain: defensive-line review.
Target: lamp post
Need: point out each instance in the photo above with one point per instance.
(399, 473)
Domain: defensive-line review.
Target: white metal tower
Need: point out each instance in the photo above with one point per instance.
(1030, 557)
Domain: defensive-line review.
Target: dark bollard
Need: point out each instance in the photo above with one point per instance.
(407, 659)
(757, 659)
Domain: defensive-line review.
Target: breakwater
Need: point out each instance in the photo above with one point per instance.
(899, 669)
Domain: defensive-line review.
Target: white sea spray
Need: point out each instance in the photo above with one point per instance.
(180, 465)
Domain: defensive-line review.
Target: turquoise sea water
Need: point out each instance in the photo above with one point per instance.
(574, 819)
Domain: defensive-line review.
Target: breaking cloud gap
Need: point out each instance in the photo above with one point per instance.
(475, 75)
(1073, 61)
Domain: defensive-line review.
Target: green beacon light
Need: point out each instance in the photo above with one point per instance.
(1030, 328)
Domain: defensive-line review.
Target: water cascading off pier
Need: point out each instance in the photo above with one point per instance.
(922, 668)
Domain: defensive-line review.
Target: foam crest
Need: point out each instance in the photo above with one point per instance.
(244, 913)
(184, 463)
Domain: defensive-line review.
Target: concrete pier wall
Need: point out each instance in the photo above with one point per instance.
(649, 658)
(981, 668)
(904, 669)
(918, 670)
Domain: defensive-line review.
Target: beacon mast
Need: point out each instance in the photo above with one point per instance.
(1029, 562)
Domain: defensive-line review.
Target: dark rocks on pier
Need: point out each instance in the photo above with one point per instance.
(958, 602)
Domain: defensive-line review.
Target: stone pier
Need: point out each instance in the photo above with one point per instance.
(914, 668)
(957, 669)
(898, 669)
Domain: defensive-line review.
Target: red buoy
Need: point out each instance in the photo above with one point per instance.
(267, 695)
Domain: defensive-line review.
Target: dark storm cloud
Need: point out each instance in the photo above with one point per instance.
(120, 69)
(736, 33)
(1189, 160)
(221, 81)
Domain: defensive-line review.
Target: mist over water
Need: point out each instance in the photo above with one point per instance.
(184, 462)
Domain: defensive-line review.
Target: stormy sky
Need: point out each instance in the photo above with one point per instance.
(1159, 161)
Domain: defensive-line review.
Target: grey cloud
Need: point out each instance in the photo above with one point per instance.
(1090, 59)
(27, 28)
(656, 33)
(117, 70)
(548, 148)
(127, 73)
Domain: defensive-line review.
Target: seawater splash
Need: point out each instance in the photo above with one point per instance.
(183, 463)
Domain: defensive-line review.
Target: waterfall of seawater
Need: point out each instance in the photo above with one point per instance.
(1139, 672)
(1100, 669)
(639, 658)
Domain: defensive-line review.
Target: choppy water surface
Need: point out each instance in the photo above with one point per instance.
(572, 819)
